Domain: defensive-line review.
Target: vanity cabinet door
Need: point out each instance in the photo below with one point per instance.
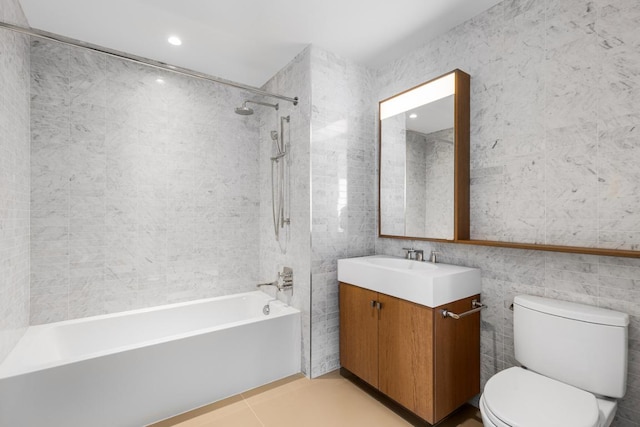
(406, 354)
(359, 332)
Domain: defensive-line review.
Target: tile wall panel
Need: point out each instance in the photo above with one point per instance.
(342, 189)
(392, 188)
(143, 186)
(294, 246)
(415, 183)
(14, 179)
(439, 159)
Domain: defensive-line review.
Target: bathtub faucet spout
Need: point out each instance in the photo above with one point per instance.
(268, 284)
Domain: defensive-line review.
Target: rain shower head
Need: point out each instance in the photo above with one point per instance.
(246, 111)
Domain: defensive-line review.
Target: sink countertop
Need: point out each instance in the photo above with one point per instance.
(421, 282)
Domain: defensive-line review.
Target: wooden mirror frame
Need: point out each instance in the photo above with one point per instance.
(461, 117)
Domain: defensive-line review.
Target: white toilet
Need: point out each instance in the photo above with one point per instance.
(574, 360)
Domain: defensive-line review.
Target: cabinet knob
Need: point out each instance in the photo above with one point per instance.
(373, 303)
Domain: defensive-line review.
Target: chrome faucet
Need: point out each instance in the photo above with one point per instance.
(276, 284)
(410, 253)
(287, 280)
(434, 257)
(414, 254)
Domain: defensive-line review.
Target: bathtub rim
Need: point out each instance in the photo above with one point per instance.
(6, 373)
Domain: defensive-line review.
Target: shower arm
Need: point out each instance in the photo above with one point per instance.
(266, 104)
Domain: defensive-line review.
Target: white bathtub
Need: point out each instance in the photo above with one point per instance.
(137, 367)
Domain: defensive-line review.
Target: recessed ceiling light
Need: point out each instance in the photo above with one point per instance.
(174, 40)
(159, 80)
(413, 115)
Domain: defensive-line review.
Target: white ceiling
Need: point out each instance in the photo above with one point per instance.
(432, 117)
(248, 41)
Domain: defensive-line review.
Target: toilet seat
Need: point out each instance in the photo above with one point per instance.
(518, 397)
(488, 419)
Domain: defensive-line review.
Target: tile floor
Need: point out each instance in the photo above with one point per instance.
(330, 400)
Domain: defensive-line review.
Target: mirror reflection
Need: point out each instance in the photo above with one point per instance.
(417, 161)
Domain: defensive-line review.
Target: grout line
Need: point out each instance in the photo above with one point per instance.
(252, 411)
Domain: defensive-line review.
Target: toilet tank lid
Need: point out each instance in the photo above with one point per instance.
(572, 310)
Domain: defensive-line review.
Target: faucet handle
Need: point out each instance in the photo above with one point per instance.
(434, 256)
(410, 252)
(419, 255)
(287, 278)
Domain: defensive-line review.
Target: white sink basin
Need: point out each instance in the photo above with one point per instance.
(401, 263)
(424, 283)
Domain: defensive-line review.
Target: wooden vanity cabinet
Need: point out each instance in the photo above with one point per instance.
(427, 363)
(359, 332)
(405, 354)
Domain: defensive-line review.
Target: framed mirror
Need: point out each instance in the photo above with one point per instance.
(424, 161)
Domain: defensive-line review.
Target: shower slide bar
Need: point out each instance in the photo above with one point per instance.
(141, 60)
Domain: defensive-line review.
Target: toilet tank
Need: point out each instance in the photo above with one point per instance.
(576, 344)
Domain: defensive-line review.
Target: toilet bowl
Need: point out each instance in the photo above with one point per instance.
(576, 367)
(518, 397)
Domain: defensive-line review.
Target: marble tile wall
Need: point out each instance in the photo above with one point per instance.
(429, 184)
(438, 189)
(415, 210)
(343, 123)
(392, 188)
(143, 186)
(294, 246)
(554, 154)
(14, 179)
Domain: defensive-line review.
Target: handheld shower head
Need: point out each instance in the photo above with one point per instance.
(246, 111)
